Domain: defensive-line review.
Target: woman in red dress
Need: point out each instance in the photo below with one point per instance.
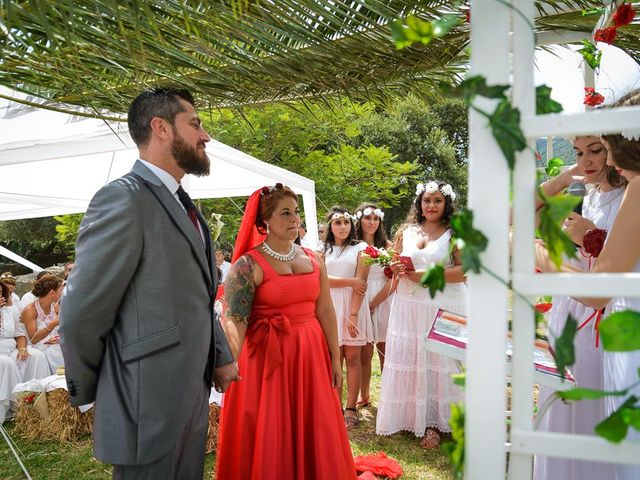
(283, 420)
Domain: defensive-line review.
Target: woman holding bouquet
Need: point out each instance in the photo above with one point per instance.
(283, 420)
(370, 229)
(348, 280)
(417, 388)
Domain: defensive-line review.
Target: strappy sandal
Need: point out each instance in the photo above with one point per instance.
(351, 420)
(363, 403)
(431, 439)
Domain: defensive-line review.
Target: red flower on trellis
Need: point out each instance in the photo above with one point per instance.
(591, 97)
(606, 35)
(543, 307)
(624, 15)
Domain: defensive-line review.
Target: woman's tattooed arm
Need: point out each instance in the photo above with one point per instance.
(239, 289)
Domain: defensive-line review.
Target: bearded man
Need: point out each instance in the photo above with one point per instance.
(137, 326)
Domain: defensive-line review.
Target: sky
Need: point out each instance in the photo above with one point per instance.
(560, 69)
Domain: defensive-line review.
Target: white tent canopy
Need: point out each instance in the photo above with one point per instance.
(53, 164)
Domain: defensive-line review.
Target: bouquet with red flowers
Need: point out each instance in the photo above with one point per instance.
(379, 256)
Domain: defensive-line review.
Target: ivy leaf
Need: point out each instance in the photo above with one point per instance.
(619, 331)
(433, 278)
(443, 25)
(614, 428)
(592, 11)
(476, 85)
(588, 394)
(552, 214)
(459, 379)
(544, 102)
(415, 30)
(591, 54)
(455, 448)
(553, 167)
(631, 417)
(565, 354)
(505, 125)
(470, 242)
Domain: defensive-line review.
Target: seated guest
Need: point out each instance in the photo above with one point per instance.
(10, 281)
(67, 269)
(17, 362)
(41, 320)
(29, 297)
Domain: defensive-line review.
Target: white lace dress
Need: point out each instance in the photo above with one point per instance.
(51, 351)
(9, 372)
(417, 389)
(342, 262)
(620, 371)
(579, 417)
(380, 317)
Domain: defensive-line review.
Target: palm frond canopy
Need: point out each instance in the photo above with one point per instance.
(101, 53)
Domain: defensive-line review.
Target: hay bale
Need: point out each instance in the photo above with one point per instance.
(214, 424)
(65, 423)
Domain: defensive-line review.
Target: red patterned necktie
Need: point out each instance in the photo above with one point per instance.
(185, 199)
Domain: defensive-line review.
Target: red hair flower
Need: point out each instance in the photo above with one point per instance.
(624, 15)
(605, 35)
(543, 307)
(265, 191)
(591, 97)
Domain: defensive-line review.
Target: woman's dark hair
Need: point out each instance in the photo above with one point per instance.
(159, 102)
(380, 236)
(6, 293)
(329, 239)
(626, 153)
(47, 283)
(269, 201)
(415, 213)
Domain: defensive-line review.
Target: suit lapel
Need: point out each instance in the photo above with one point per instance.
(178, 216)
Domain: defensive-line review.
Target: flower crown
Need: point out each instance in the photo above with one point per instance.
(338, 215)
(270, 189)
(368, 211)
(432, 187)
(631, 135)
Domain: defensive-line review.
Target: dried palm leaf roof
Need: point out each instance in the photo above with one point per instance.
(101, 53)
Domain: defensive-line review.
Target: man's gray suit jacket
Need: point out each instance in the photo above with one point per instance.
(137, 326)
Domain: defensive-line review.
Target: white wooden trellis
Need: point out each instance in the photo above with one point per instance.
(502, 46)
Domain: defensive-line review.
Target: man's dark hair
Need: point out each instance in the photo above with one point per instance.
(159, 102)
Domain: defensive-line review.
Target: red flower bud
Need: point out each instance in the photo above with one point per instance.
(372, 251)
(388, 272)
(624, 15)
(591, 97)
(543, 307)
(606, 35)
(30, 398)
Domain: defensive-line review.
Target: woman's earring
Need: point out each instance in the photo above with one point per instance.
(267, 228)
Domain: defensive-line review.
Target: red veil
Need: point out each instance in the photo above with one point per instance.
(248, 235)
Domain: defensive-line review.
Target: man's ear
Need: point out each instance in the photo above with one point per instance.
(161, 128)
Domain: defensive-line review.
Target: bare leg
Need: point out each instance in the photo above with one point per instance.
(381, 346)
(365, 360)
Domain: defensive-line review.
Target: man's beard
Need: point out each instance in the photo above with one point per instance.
(188, 157)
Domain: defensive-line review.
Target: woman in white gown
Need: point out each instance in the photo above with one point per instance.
(370, 229)
(599, 210)
(40, 319)
(348, 281)
(18, 363)
(417, 388)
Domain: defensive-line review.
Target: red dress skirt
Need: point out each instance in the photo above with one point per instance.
(283, 420)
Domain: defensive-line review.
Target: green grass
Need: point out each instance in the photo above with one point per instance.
(52, 460)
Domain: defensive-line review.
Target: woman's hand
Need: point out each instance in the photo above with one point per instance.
(23, 354)
(359, 285)
(336, 372)
(352, 326)
(397, 268)
(576, 226)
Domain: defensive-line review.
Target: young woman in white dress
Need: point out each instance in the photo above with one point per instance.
(417, 389)
(620, 253)
(18, 363)
(348, 281)
(599, 209)
(40, 319)
(370, 229)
